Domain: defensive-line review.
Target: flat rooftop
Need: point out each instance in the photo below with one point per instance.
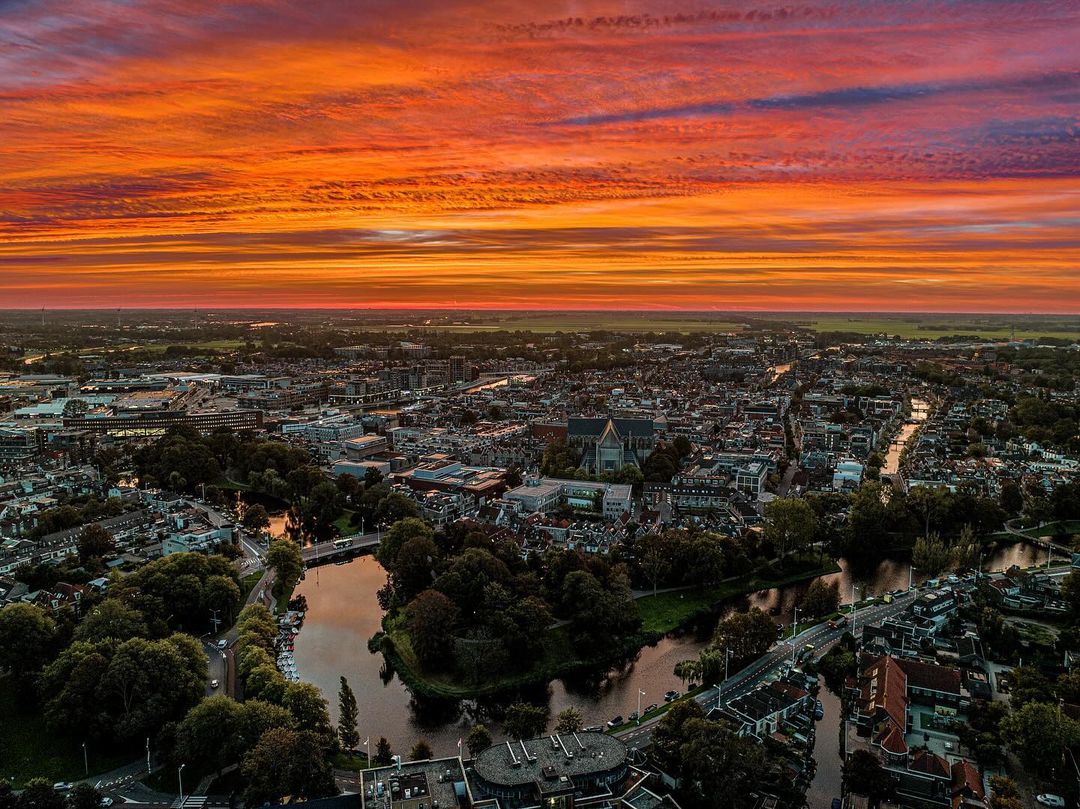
(549, 758)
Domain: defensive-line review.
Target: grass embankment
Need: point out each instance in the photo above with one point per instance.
(28, 750)
(666, 612)
(248, 582)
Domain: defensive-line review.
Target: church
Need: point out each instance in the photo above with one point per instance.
(607, 444)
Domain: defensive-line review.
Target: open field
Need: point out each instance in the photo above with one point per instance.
(551, 322)
(932, 326)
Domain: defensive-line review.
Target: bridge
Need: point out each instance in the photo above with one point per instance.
(323, 553)
(1039, 542)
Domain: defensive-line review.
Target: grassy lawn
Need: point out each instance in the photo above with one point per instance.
(247, 584)
(667, 611)
(30, 751)
(344, 527)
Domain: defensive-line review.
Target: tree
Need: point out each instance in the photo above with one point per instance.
(395, 538)
(396, 507)
(864, 774)
(821, 598)
(256, 518)
(478, 739)
(372, 477)
(524, 721)
(790, 525)
(421, 751)
(347, 717)
(384, 755)
(84, 796)
(39, 794)
(207, 737)
(745, 634)
(27, 634)
(1038, 733)
(95, 542)
(431, 618)
(930, 555)
(1011, 498)
(285, 558)
(308, 706)
(286, 762)
(569, 720)
(112, 619)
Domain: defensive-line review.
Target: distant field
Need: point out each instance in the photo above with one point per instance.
(934, 326)
(545, 323)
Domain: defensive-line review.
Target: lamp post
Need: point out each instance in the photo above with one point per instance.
(640, 694)
(148, 755)
(180, 780)
(794, 629)
(727, 659)
(85, 761)
(854, 609)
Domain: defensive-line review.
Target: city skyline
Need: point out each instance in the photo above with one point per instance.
(842, 157)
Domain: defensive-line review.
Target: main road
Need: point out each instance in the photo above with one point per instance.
(822, 636)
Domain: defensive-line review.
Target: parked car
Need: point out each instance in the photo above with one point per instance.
(633, 717)
(837, 803)
(106, 802)
(651, 708)
(615, 721)
(214, 683)
(1046, 799)
(63, 786)
(592, 729)
(819, 710)
(671, 696)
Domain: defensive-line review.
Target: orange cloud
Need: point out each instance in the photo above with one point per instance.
(862, 155)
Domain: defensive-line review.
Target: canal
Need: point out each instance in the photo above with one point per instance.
(343, 613)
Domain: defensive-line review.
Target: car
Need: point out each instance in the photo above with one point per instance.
(223, 644)
(63, 786)
(615, 721)
(592, 729)
(1046, 799)
(633, 717)
(652, 708)
(779, 631)
(671, 696)
(214, 683)
(819, 710)
(106, 802)
(837, 803)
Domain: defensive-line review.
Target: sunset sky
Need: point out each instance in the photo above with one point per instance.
(879, 155)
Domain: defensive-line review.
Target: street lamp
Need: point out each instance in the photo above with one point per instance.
(854, 609)
(148, 755)
(794, 629)
(85, 761)
(180, 779)
(727, 659)
(640, 694)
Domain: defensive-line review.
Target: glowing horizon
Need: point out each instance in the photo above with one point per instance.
(506, 155)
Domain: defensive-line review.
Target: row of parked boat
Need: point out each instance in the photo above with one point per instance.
(288, 628)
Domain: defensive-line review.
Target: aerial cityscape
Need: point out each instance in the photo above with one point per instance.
(491, 404)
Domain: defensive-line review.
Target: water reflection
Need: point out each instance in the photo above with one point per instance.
(344, 613)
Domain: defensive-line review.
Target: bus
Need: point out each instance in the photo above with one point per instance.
(342, 543)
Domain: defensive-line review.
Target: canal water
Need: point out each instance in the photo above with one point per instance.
(343, 613)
